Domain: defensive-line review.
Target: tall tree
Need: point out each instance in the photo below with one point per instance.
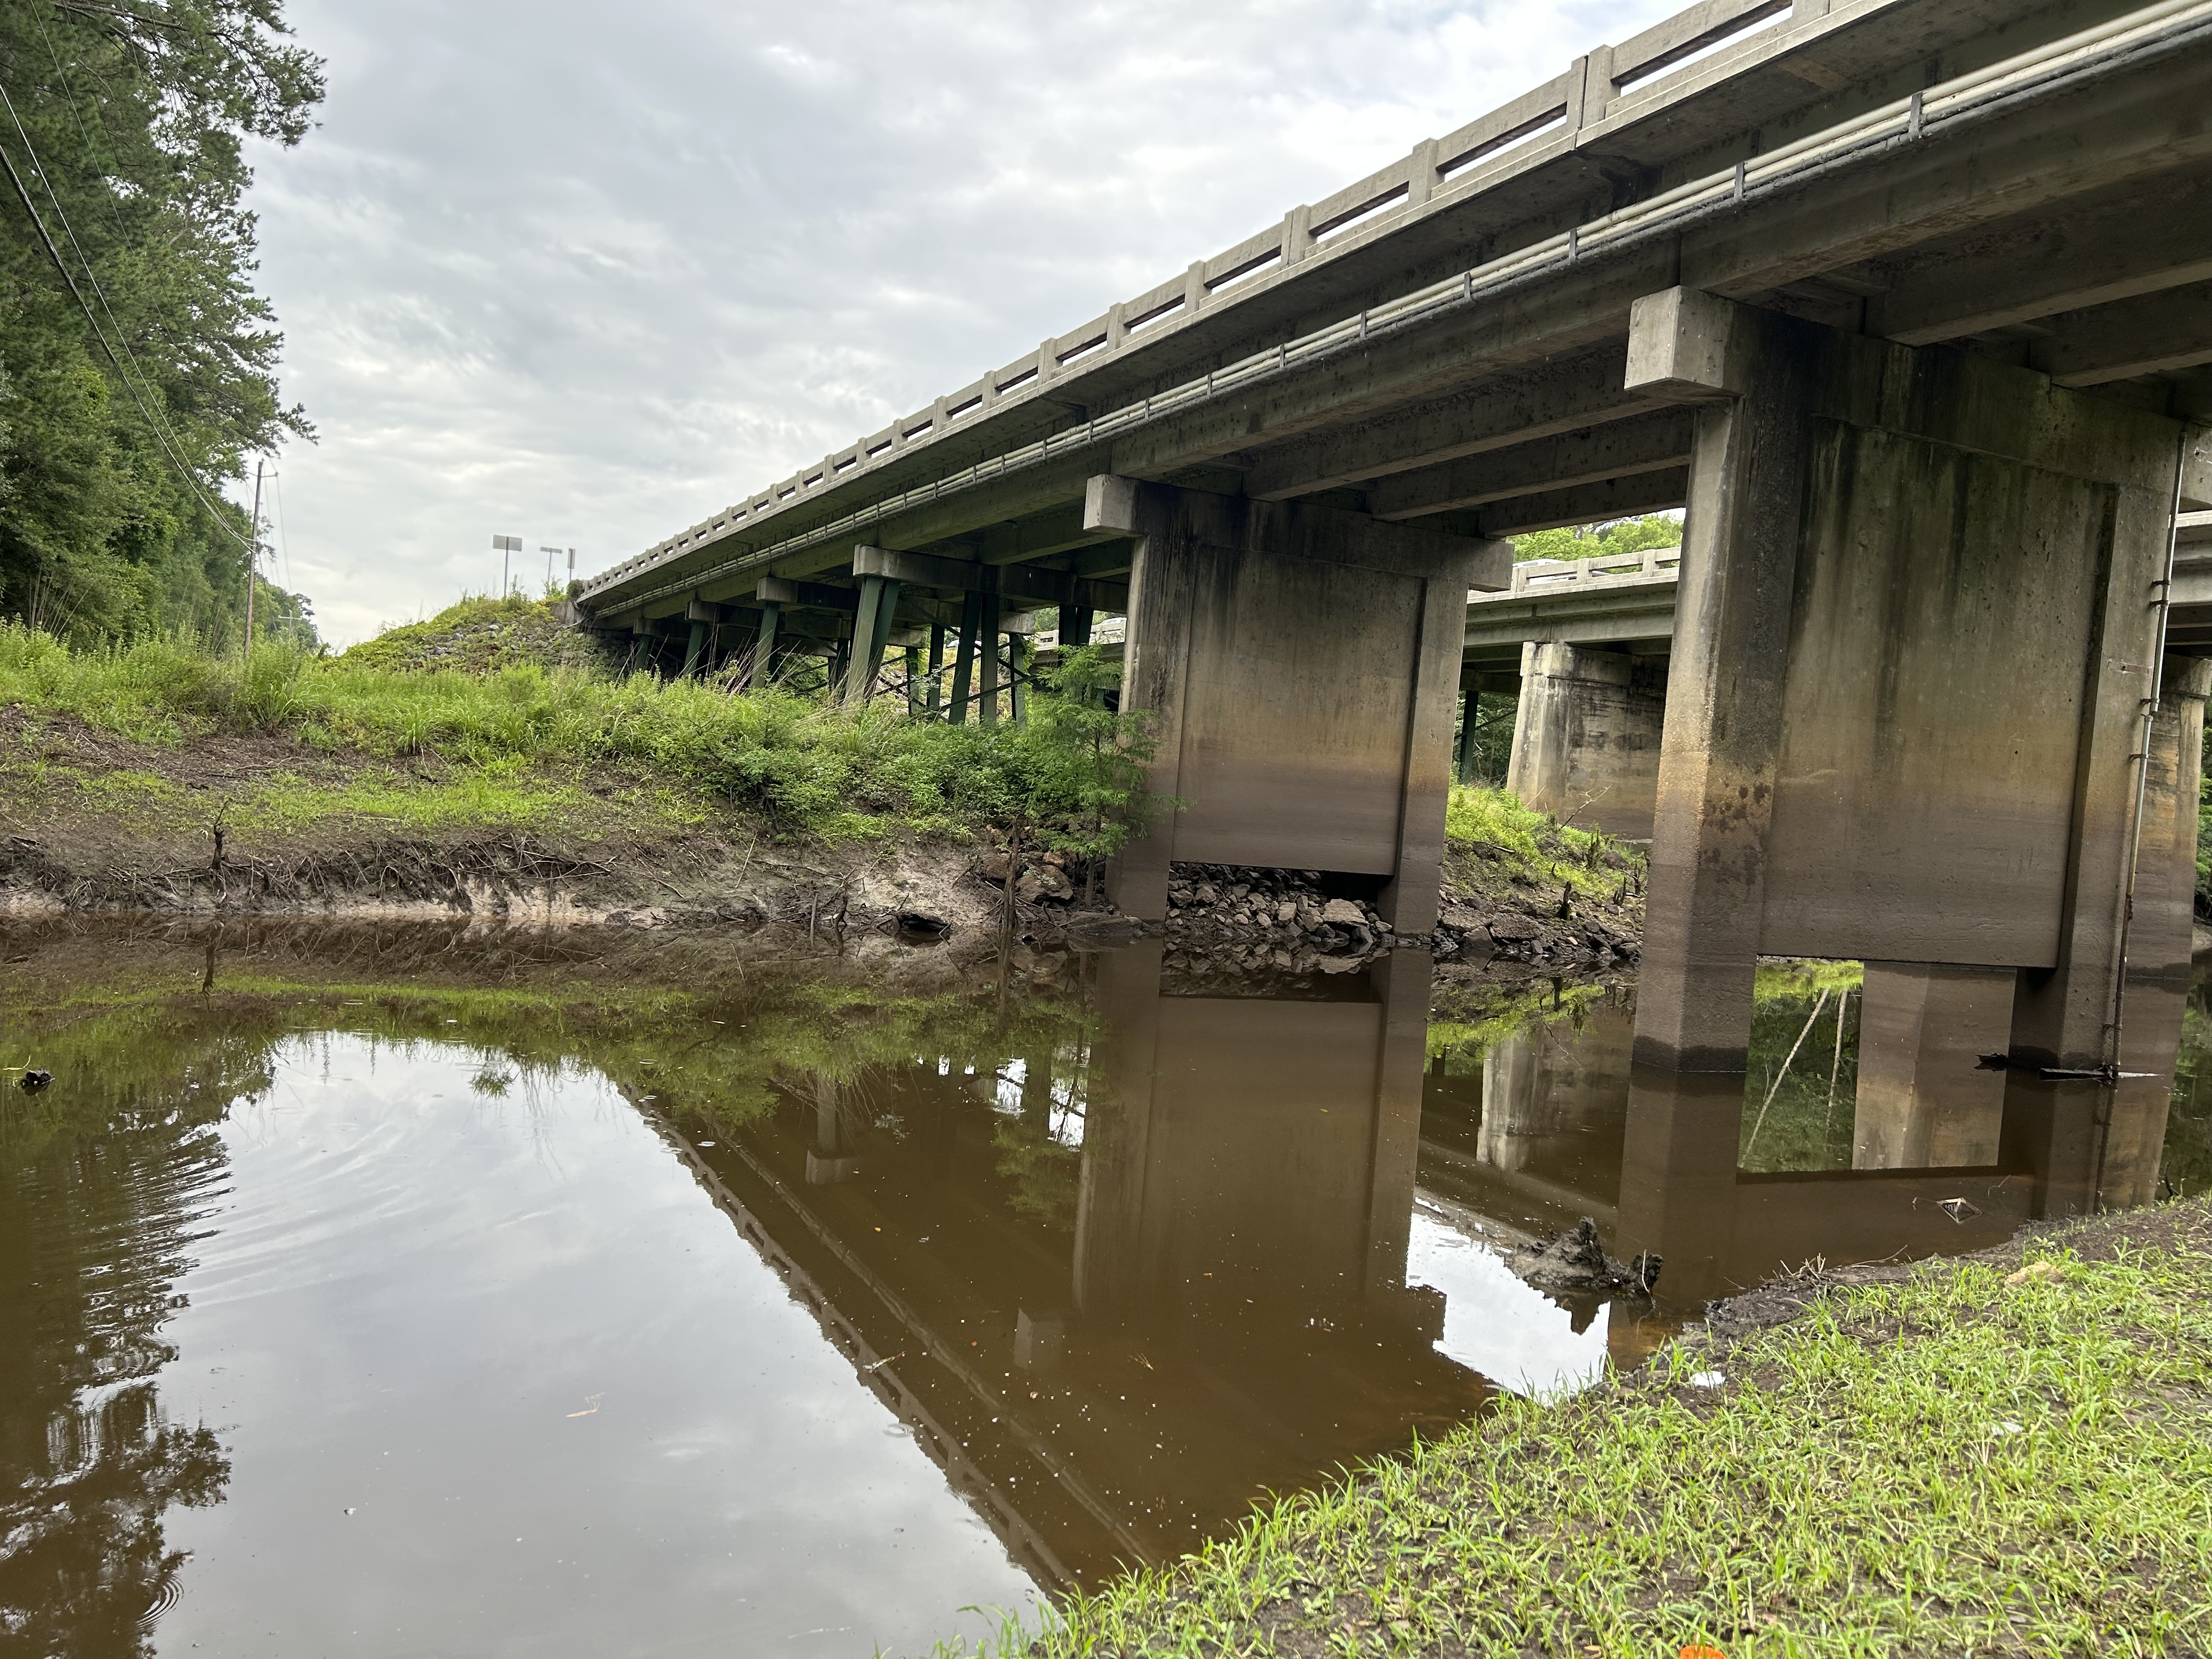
(137, 365)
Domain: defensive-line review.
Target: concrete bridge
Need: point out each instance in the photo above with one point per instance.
(1909, 303)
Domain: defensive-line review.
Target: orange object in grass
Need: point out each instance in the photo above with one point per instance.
(1702, 1653)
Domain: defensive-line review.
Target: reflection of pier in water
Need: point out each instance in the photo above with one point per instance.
(1560, 1125)
(1225, 1314)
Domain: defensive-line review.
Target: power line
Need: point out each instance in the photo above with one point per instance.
(283, 536)
(46, 237)
(161, 431)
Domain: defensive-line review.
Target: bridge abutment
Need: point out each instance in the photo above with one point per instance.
(1301, 665)
(1918, 614)
(1587, 735)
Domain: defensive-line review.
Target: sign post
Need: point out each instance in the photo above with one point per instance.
(506, 547)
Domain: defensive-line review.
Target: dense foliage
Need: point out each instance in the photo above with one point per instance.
(1592, 541)
(138, 366)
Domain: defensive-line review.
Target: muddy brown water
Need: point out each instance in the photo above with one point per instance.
(419, 1292)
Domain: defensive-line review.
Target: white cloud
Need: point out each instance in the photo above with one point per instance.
(585, 275)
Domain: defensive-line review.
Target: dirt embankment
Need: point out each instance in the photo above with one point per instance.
(91, 823)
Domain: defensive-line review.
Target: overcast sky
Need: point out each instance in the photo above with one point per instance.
(586, 275)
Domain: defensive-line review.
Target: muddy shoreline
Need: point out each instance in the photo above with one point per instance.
(232, 825)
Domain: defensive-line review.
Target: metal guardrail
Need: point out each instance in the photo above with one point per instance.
(1903, 122)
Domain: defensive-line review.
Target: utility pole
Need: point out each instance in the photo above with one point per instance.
(253, 559)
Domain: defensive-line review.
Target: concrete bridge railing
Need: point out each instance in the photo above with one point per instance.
(1549, 576)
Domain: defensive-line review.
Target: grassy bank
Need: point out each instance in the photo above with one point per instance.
(124, 769)
(491, 727)
(1975, 1459)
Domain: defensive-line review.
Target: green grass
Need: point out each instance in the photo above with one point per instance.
(476, 796)
(1802, 1072)
(480, 634)
(1496, 1013)
(1552, 853)
(835, 772)
(1951, 1465)
(1802, 979)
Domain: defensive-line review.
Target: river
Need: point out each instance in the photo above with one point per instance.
(424, 1292)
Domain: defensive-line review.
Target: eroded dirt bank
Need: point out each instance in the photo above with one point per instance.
(92, 822)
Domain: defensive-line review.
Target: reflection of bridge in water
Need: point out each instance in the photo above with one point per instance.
(1548, 1133)
(1206, 1295)
(1226, 1313)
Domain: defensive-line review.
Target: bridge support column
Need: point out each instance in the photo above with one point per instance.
(1300, 665)
(1714, 794)
(2164, 904)
(1463, 752)
(872, 628)
(2159, 938)
(964, 657)
(988, 643)
(1855, 764)
(758, 670)
(1586, 738)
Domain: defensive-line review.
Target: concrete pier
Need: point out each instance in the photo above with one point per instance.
(1853, 764)
(1925, 1099)
(1300, 666)
(1587, 735)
